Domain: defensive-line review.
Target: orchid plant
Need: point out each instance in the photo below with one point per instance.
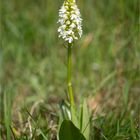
(70, 29)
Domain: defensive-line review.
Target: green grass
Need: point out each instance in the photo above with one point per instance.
(106, 63)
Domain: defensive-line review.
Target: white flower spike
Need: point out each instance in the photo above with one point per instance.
(70, 21)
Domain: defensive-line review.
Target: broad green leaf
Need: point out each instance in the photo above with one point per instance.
(74, 115)
(65, 110)
(68, 131)
(85, 120)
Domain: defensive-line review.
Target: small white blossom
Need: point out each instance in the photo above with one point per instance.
(70, 21)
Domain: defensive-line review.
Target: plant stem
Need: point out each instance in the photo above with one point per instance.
(69, 83)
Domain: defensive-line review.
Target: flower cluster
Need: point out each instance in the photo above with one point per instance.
(70, 21)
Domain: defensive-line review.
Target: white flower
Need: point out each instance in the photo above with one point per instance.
(70, 21)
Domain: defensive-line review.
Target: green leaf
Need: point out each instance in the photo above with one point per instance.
(65, 110)
(68, 131)
(85, 120)
(74, 115)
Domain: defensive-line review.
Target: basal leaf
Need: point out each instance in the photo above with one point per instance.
(68, 131)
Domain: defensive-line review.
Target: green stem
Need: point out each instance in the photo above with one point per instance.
(69, 83)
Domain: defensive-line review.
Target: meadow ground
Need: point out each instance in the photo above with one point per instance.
(106, 68)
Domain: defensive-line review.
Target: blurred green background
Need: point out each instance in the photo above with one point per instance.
(106, 60)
